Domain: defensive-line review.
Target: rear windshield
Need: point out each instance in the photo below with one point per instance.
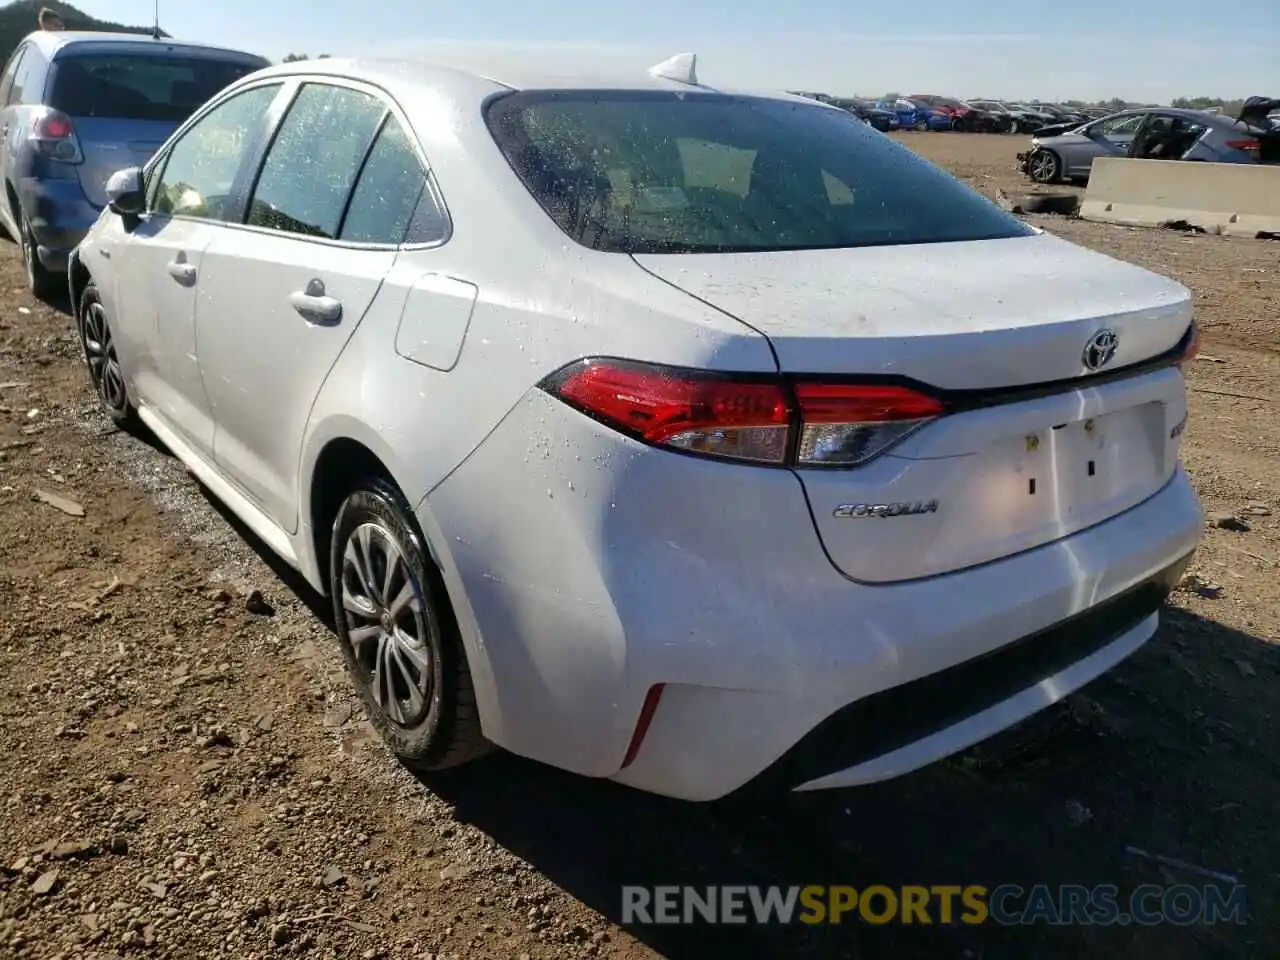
(657, 172)
(139, 86)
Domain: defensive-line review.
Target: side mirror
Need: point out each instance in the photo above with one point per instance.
(124, 192)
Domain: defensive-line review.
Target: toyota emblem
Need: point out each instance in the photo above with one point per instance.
(1101, 349)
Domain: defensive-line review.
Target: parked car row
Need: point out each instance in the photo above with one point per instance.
(930, 112)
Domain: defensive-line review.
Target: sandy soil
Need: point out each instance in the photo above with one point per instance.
(183, 772)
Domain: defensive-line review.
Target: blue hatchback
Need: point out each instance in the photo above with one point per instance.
(77, 107)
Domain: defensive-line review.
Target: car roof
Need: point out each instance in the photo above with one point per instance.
(1200, 116)
(502, 76)
(50, 42)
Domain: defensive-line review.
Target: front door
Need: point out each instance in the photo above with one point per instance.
(190, 194)
(1111, 136)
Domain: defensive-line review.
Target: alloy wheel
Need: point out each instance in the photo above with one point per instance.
(1044, 167)
(100, 353)
(388, 624)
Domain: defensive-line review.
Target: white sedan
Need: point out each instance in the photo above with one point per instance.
(686, 438)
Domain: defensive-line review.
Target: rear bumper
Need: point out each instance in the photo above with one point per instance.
(890, 683)
(60, 216)
(905, 727)
(586, 569)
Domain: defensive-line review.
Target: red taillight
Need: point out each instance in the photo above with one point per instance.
(54, 126)
(764, 420)
(694, 412)
(1251, 145)
(54, 135)
(860, 403)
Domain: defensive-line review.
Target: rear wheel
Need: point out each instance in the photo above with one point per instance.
(398, 634)
(94, 327)
(40, 281)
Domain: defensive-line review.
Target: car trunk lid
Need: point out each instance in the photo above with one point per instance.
(109, 145)
(1031, 449)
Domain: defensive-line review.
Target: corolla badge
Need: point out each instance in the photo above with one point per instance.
(856, 511)
(1101, 349)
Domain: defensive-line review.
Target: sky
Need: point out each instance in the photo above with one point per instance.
(1142, 50)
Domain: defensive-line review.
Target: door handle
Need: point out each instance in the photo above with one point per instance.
(314, 305)
(184, 273)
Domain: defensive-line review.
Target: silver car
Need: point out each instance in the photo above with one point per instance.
(1061, 154)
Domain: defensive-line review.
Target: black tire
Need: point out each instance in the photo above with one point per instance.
(444, 730)
(1044, 166)
(100, 358)
(1059, 204)
(43, 284)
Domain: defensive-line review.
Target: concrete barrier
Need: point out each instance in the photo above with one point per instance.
(1232, 199)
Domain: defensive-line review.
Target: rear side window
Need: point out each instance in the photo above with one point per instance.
(139, 86)
(311, 167)
(388, 190)
(642, 172)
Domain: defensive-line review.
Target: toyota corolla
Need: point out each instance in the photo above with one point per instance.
(615, 421)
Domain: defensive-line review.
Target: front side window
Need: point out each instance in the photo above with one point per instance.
(312, 165)
(1119, 126)
(140, 86)
(199, 175)
(641, 172)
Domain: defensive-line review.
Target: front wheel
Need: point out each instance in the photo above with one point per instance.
(1043, 166)
(99, 346)
(398, 635)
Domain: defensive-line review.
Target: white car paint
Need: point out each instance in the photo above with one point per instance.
(588, 570)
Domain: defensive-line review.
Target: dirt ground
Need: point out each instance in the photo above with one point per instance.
(183, 772)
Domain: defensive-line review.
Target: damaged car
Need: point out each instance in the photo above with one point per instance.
(1057, 155)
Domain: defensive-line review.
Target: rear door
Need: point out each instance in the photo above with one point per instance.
(283, 293)
(125, 100)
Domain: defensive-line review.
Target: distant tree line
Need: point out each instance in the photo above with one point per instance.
(295, 57)
(1230, 107)
(19, 19)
